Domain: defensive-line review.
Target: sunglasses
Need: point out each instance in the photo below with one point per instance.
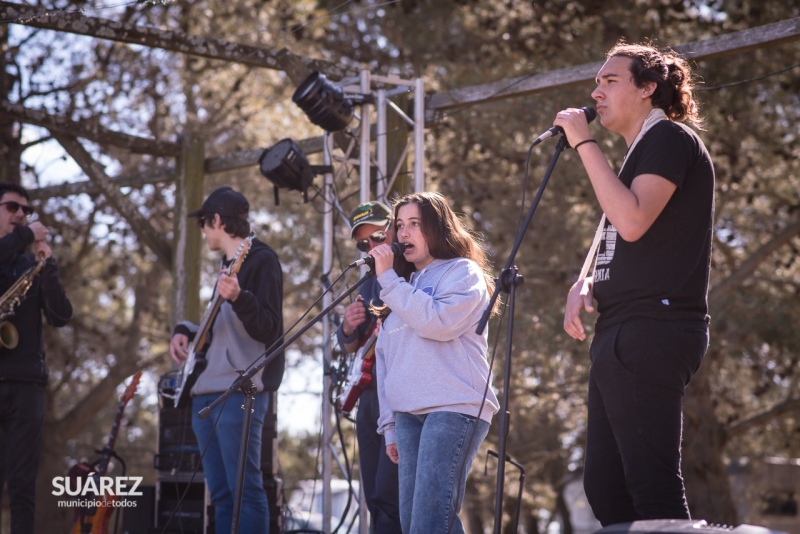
(13, 207)
(375, 237)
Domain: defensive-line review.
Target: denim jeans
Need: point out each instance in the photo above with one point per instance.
(640, 369)
(221, 460)
(436, 451)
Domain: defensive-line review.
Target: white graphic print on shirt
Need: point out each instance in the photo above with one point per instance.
(606, 254)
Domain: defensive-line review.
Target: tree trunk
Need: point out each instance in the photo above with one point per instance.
(10, 144)
(49, 517)
(708, 487)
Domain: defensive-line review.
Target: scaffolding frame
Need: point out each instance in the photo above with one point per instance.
(374, 93)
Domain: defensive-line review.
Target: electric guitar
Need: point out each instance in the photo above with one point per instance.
(196, 362)
(360, 375)
(95, 519)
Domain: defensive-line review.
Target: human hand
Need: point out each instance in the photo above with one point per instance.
(578, 300)
(41, 248)
(383, 255)
(40, 231)
(573, 122)
(228, 287)
(354, 314)
(391, 452)
(179, 348)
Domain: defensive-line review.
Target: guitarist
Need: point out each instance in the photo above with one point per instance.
(249, 320)
(371, 225)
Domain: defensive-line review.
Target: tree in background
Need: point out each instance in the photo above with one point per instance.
(743, 403)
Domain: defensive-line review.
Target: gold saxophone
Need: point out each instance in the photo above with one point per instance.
(9, 337)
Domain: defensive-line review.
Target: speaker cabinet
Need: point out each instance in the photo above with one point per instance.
(179, 454)
(193, 515)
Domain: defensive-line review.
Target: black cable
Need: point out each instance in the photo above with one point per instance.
(749, 80)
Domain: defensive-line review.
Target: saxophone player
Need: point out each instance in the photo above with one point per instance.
(23, 370)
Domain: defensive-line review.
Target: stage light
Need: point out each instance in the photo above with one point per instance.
(285, 165)
(324, 103)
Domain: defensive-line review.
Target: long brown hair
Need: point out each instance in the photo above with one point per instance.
(672, 75)
(445, 234)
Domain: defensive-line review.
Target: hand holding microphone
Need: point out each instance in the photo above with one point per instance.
(384, 254)
(574, 123)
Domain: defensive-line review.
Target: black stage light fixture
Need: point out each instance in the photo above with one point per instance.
(285, 165)
(324, 103)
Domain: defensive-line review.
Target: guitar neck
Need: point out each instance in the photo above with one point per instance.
(213, 307)
(206, 321)
(102, 467)
(112, 436)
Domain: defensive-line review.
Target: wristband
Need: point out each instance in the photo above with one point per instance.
(590, 140)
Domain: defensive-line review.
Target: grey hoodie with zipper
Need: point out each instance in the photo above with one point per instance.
(429, 358)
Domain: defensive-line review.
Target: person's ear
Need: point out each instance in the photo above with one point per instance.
(648, 90)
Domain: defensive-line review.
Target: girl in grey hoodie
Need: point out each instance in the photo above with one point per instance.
(432, 371)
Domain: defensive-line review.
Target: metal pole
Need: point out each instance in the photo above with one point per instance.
(327, 265)
(366, 119)
(380, 145)
(419, 135)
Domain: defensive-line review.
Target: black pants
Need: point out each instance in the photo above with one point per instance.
(378, 472)
(21, 419)
(639, 373)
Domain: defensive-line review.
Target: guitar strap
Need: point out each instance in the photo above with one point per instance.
(590, 262)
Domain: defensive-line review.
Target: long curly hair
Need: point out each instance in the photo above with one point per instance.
(675, 84)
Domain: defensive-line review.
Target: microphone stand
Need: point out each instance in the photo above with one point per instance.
(521, 484)
(246, 386)
(507, 282)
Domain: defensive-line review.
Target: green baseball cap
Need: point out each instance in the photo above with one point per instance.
(374, 212)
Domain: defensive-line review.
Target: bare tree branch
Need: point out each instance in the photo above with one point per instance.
(87, 129)
(723, 45)
(722, 290)
(787, 406)
(139, 224)
(296, 67)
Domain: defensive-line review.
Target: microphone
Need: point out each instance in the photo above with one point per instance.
(590, 113)
(397, 250)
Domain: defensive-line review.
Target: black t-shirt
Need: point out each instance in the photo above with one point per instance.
(664, 274)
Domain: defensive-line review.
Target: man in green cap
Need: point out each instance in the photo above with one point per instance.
(371, 225)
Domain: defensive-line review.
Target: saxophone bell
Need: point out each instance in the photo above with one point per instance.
(9, 337)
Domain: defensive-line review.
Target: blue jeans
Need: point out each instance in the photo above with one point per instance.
(436, 451)
(221, 460)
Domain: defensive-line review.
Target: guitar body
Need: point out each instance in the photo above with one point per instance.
(196, 363)
(96, 520)
(360, 376)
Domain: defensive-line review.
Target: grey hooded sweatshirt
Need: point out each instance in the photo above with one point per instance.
(429, 358)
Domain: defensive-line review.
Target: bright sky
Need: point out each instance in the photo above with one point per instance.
(300, 398)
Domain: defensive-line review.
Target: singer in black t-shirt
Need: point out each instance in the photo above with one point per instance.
(650, 282)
